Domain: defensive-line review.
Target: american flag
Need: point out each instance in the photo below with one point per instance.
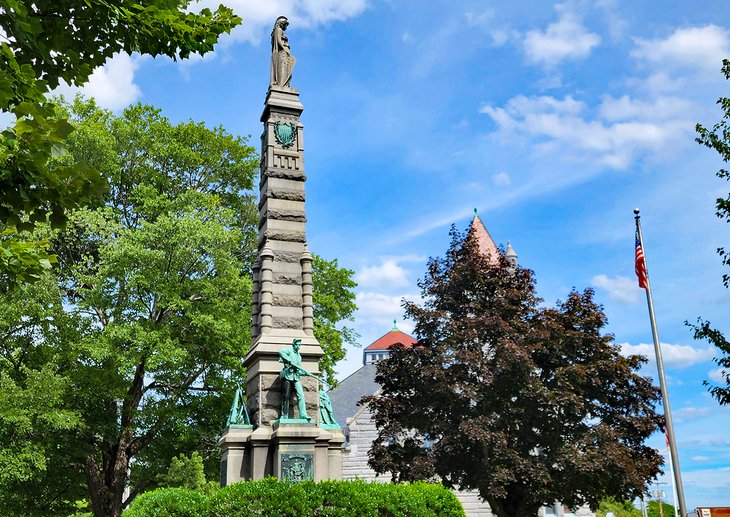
(640, 264)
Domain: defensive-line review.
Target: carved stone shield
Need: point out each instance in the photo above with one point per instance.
(285, 133)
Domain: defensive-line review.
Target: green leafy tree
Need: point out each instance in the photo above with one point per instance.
(46, 42)
(617, 508)
(526, 404)
(334, 303)
(718, 138)
(652, 509)
(35, 425)
(156, 276)
(159, 271)
(152, 314)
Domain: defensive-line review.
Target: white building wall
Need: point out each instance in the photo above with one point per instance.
(355, 463)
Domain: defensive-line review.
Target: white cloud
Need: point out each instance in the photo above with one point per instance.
(658, 82)
(388, 273)
(501, 179)
(617, 25)
(628, 108)
(484, 19)
(567, 38)
(700, 458)
(674, 356)
(258, 17)
(112, 85)
(380, 307)
(717, 375)
(692, 47)
(501, 36)
(619, 288)
(496, 29)
(691, 413)
(621, 130)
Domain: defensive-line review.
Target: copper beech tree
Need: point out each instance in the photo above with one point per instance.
(528, 405)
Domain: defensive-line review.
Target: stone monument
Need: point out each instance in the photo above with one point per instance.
(265, 437)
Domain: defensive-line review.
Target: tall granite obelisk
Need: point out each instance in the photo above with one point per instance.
(270, 443)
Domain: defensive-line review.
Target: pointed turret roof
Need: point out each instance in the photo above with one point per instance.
(486, 244)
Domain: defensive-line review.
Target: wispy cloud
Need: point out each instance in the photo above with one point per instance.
(564, 39)
(620, 131)
(718, 375)
(619, 288)
(501, 179)
(690, 47)
(674, 356)
(379, 307)
(692, 413)
(258, 17)
(388, 272)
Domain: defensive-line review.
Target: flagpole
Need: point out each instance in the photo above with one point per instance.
(674, 460)
(674, 492)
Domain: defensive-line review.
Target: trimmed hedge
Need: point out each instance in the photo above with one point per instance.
(169, 502)
(305, 499)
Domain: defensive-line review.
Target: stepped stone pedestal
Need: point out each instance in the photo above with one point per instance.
(287, 448)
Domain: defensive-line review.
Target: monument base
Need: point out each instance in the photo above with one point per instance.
(293, 449)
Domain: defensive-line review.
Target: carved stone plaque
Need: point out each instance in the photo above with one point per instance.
(297, 466)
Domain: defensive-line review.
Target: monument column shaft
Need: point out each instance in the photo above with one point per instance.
(282, 297)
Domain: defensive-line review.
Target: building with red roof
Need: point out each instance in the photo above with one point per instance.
(378, 350)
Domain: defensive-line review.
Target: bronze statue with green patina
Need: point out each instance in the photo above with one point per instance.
(326, 414)
(290, 377)
(238, 415)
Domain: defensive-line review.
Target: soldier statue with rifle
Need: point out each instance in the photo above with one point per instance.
(289, 376)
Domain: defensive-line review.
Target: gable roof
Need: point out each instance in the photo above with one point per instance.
(348, 393)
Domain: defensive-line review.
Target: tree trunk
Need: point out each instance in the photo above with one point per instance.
(511, 508)
(107, 482)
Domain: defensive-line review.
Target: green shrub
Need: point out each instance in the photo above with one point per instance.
(185, 472)
(169, 502)
(266, 497)
(305, 499)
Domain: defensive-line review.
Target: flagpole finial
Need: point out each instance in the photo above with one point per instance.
(636, 211)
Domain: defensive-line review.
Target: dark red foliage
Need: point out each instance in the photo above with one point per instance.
(526, 404)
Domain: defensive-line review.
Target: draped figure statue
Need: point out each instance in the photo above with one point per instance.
(282, 62)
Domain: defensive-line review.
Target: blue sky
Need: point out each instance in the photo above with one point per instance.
(553, 120)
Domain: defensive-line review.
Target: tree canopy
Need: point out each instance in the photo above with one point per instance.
(45, 42)
(718, 138)
(334, 302)
(617, 508)
(652, 509)
(128, 353)
(526, 404)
